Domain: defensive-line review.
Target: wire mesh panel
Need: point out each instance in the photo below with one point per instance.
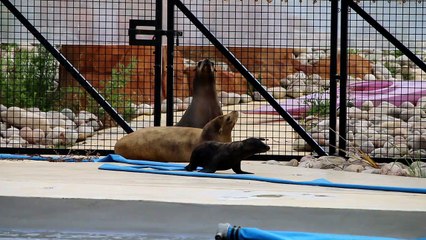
(42, 105)
(284, 44)
(386, 90)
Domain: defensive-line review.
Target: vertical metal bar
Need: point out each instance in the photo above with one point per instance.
(170, 60)
(343, 75)
(250, 78)
(68, 66)
(385, 33)
(333, 75)
(158, 62)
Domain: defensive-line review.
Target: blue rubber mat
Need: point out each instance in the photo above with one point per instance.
(229, 232)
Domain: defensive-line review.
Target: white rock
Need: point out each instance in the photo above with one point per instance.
(313, 163)
(277, 92)
(329, 162)
(56, 122)
(403, 60)
(85, 132)
(97, 125)
(21, 118)
(354, 168)
(408, 113)
(367, 105)
(272, 162)
(85, 116)
(231, 99)
(57, 135)
(71, 136)
(186, 100)
(2, 108)
(55, 115)
(3, 126)
(381, 72)
(367, 146)
(11, 131)
(421, 102)
(406, 105)
(38, 136)
(245, 98)
(416, 142)
(69, 124)
(68, 113)
(27, 134)
(292, 163)
(16, 142)
(396, 169)
(369, 77)
(145, 109)
(418, 169)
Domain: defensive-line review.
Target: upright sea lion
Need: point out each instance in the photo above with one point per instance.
(174, 144)
(212, 155)
(205, 105)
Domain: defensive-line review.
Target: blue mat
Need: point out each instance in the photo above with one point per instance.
(176, 169)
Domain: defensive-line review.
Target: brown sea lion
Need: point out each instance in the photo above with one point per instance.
(205, 105)
(174, 144)
(212, 155)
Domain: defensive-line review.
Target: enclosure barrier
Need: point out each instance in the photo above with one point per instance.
(304, 75)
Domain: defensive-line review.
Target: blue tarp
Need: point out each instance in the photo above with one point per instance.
(245, 233)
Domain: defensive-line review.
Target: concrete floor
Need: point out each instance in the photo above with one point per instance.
(79, 197)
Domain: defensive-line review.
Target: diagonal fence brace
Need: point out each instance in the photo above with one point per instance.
(68, 66)
(250, 78)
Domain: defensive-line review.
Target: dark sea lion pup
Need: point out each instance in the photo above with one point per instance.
(174, 144)
(212, 155)
(205, 105)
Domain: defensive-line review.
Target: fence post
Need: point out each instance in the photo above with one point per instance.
(333, 75)
(158, 61)
(343, 75)
(170, 60)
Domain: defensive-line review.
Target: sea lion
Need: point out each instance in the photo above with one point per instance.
(205, 105)
(212, 155)
(174, 144)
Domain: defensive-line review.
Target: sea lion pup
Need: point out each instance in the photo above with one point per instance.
(214, 156)
(205, 105)
(174, 144)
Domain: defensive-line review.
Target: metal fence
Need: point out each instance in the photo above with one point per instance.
(299, 72)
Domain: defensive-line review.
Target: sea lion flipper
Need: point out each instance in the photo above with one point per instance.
(190, 168)
(207, 170)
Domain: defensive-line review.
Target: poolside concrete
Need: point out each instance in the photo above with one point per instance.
(79, 197)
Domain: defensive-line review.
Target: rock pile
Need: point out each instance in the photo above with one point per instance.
(33, 128)
(355, 164)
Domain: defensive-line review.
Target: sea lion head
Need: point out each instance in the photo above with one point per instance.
(256, 145)
(205, 66)
(205, 75)
(220, 128)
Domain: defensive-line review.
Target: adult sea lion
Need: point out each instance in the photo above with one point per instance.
(174, 144)
(212, 155)
(205, 105)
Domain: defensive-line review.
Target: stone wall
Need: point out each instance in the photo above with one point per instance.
(268, 64)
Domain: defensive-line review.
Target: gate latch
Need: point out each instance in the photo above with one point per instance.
(143, 32)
